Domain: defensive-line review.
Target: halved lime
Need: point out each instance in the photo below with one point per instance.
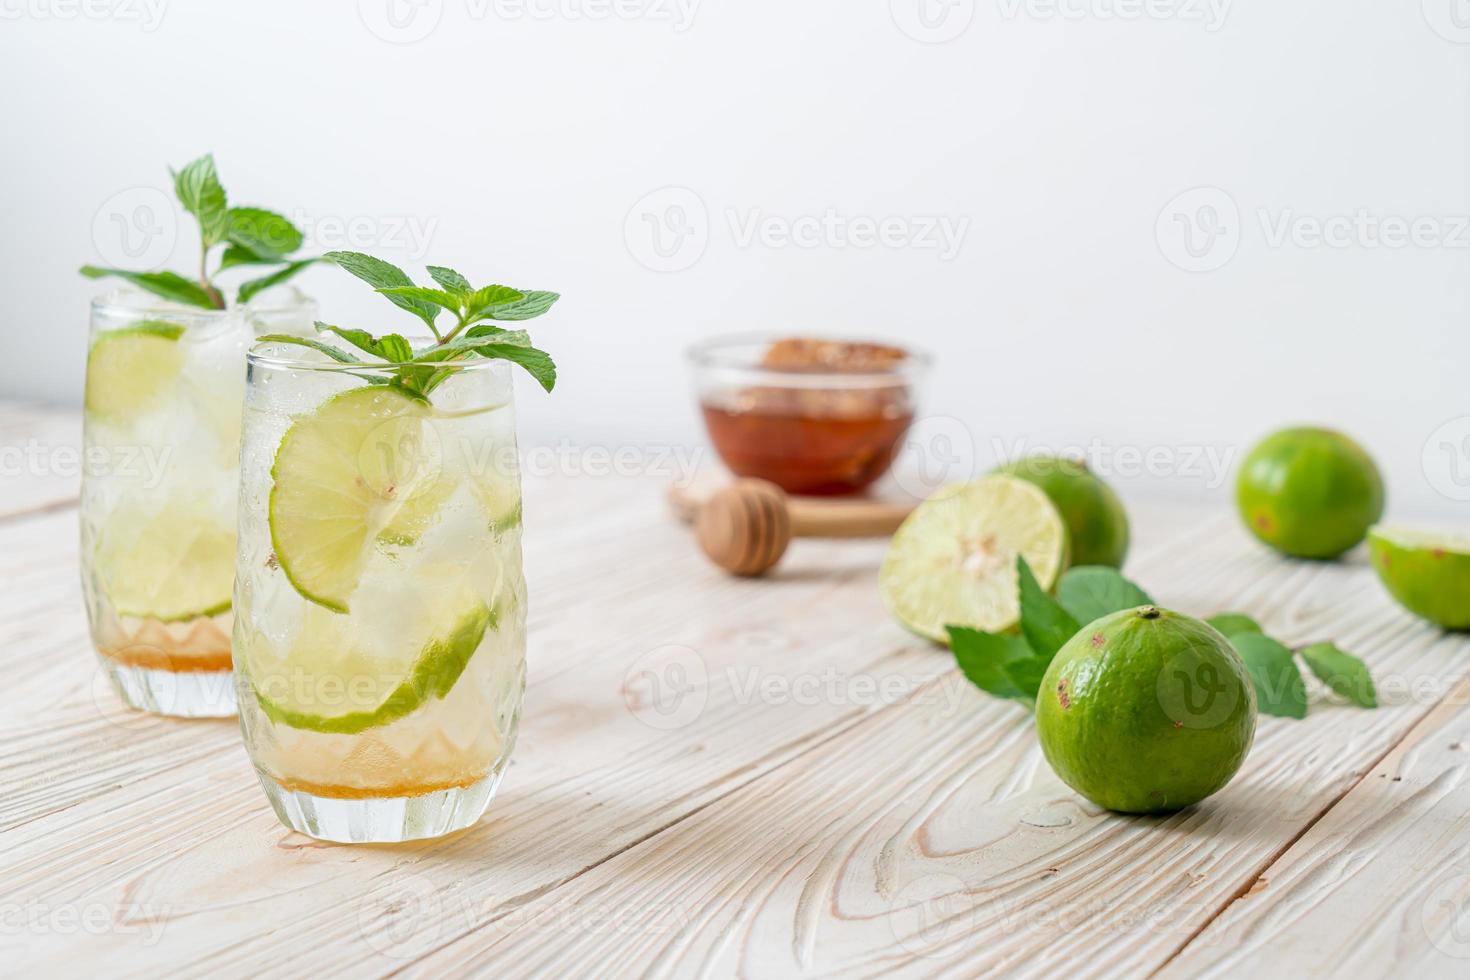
(172, 566)
(131, 368)
(953, 561)
(1427, 572)
(326, 682)
(340, 476)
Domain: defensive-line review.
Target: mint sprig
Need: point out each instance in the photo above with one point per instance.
(419, 371)
(250, 237)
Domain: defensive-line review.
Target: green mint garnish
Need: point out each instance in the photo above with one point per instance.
(473, 334)
(1274, 674)
(249, 236)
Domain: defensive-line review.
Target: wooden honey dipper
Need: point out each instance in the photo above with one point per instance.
(746, 527)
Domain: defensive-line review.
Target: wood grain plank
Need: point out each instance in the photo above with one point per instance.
(1380, 886)
(934, 840)
(165, 818)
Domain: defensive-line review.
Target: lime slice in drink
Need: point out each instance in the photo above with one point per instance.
(953, 561)
(172, 566)
(341, 475)
(419, 512)
(328, 682)
(500, 498)
(130, 369)
(1428, 573)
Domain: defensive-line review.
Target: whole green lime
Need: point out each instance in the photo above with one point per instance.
(1427, 573)
(1146, 711)
(1310, 493)
(1096, 520)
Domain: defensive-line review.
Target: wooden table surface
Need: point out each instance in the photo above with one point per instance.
(719, 777)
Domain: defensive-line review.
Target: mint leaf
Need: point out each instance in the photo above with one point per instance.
(538, 363)
(199, 191)
(263, 233)
(449, 279)
(1344, 673)
(239, 255)
(438, 297)
(393, 347)
(533, 304)
(1027, 674)
(982, 658)
(1092, 592)
(1044, 623)
(1233, 623)
(169, 285)
(478, 303)
(384, 275)
(253, 286)
(316, 345)
(1280, 690)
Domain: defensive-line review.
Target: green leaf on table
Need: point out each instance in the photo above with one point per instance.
(450, 280)
(1093, 591)
(1026, 673)
(385, 275)
(1044, 623)
(201, 194)
(169, 285)
(983, 659)
(1344, 673)
(249, 288)
(1233, 623)
(263, 233)
(1280, 690)
(533, 304)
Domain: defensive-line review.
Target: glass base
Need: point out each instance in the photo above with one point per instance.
(183, 694)
(383, 819)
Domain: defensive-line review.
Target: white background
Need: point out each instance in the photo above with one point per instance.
(520, 141)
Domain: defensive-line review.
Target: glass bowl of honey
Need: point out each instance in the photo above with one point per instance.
(814, 415)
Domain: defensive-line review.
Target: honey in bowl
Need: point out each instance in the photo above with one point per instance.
(824, 417)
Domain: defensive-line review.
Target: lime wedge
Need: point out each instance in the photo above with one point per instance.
(340, 476)
(130, 369)
(1427, 572)
(419, 512)
(172, 566)
(324, 684)
(953, 561)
